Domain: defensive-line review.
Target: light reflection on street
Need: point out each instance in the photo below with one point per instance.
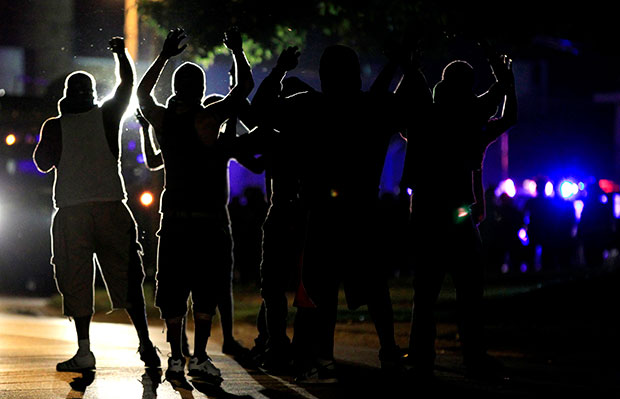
(30, 347)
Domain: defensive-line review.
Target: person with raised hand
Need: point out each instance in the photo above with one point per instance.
(195, 242)
(81, 146)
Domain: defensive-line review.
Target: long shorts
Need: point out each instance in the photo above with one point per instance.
(101, 231)
(195, 257)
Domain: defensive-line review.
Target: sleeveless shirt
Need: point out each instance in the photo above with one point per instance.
(87, 171)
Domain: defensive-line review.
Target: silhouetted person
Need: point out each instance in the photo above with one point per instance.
(283, 234)
(195, 247)
(452, 139)
(595, 229)
(154, 161)
(225, 305)
(509, 221)
(551, 221)
(342, 135)
(81, 145)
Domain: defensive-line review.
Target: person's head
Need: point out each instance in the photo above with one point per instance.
(189, 82)
(80, 93)
(457, 83)
(339, 71)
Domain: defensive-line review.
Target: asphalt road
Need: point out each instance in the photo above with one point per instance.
(556, 342)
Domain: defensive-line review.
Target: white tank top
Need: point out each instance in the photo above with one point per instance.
(87, 171)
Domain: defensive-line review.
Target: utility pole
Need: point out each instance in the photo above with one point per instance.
(131, 28)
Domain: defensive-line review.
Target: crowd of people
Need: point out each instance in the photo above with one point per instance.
(545, 232)
(323, 153)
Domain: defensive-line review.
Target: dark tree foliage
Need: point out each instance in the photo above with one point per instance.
(271, 25)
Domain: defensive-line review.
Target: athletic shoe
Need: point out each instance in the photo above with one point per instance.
(148, 354)
(324, 374)
(176, 369)
(276, 361)
(204, 370)
(392, 360)
(78, 363)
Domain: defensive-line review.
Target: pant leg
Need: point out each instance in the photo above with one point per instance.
(281, 247)
(467, 272)
(119, 254)
(72, 258)
(429, 272)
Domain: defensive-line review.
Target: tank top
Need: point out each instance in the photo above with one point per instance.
(87, 171)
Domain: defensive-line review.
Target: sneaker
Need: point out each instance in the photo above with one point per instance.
(276, 361)
(205, 370)
(323, 374)
(255, 357)
(176, 369)
(392, 359)
(233, 348)
(148, 354)
(78, 363)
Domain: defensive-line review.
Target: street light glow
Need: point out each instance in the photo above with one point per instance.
(10, 139)
(146, 198)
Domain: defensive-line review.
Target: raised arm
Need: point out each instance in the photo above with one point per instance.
(509, 113)
(47, 153)
(125, 77)
(243, 82)
(152, 156)
(149, 107)
(394, 55)
(265, 100)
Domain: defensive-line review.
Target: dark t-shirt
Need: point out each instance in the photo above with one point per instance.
(196, 176)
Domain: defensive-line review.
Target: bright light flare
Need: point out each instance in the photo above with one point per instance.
(10, 139)
(530, 187)
(146, 198)
(608, 186)
(549, 189)
(523, 237)
(617, 206)
(568, 189)
(506, 186)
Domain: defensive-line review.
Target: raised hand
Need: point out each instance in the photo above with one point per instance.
(232, 39)
(117, 44)
(172, 43)
(289, 58)
(506, 76)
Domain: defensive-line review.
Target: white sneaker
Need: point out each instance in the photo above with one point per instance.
(204, 370)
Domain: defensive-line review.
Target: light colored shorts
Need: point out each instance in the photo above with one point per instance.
(101, 231)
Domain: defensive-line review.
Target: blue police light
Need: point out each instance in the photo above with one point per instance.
(140, 158)
(603, 198)
(568, 189)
